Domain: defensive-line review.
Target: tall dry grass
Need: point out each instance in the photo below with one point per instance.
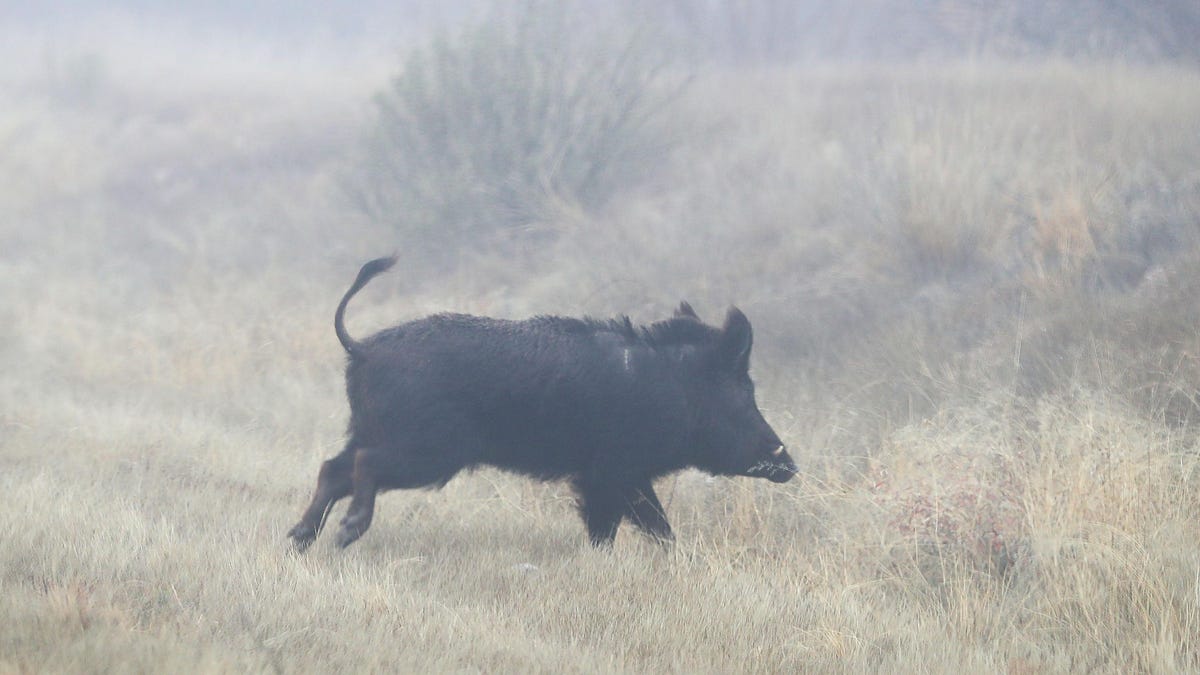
(989, 391)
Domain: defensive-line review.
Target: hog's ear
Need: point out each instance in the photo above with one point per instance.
(733, 348)
(685, 310)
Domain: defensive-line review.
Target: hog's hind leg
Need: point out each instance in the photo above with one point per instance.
(333, 483)
(378, 469)
(368, 464)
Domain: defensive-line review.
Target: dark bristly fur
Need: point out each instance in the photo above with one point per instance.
(604, 404)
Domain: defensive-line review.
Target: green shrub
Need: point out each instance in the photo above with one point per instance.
(484, 135)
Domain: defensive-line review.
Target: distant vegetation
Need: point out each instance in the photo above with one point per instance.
(491, 132)
(733, 31)
(786, 30)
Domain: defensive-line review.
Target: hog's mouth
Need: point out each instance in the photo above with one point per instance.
(776, 471)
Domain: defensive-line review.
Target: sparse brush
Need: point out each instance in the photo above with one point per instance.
(486, 135)
(951, 492)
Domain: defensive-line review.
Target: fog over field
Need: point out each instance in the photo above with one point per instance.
(967, 236)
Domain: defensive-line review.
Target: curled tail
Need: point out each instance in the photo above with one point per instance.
(368, 272)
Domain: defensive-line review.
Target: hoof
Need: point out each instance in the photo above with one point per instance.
(302, 536)
(347, 535)
(352, 528)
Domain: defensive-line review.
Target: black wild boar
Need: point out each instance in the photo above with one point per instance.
(604, 404)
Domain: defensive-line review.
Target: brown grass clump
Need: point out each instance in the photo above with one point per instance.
(958, 499)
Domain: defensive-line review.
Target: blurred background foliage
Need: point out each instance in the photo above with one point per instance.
(489, 134)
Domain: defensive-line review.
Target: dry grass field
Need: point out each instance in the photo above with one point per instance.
(976, 294)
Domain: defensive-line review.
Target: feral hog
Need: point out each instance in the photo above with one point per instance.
(603, 404)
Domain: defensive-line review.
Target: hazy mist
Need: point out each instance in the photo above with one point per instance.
(967, 235)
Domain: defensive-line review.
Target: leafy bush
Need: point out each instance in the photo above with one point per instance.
(485, 134)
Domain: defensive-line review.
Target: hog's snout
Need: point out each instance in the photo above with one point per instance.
(776, 467)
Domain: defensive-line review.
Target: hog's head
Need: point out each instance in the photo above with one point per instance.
(732, 438)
